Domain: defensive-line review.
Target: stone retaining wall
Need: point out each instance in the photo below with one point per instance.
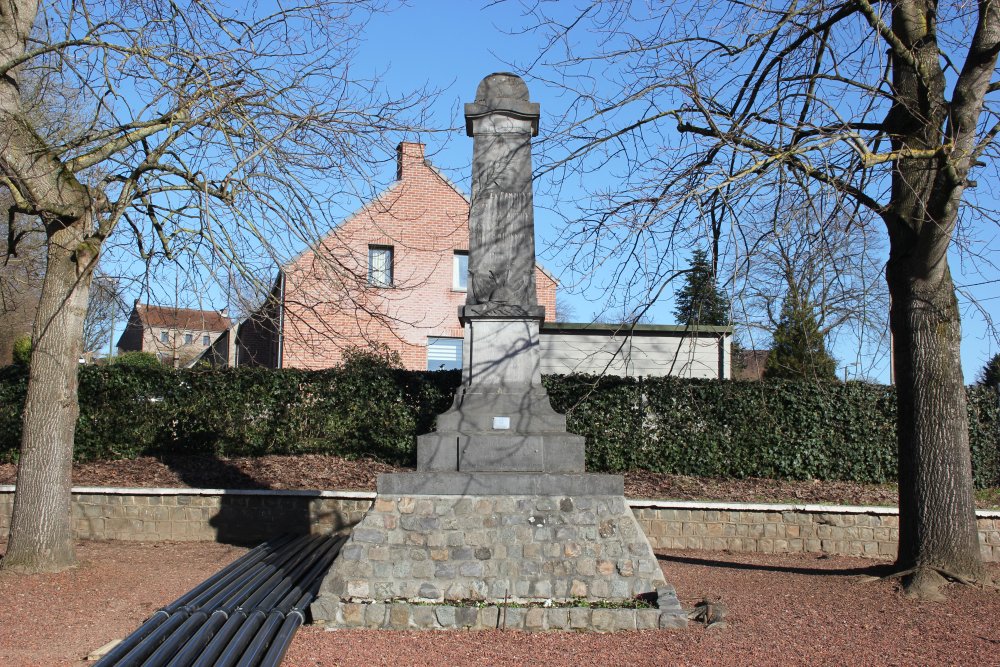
(871, 532)
(246, 516)
(203, 514)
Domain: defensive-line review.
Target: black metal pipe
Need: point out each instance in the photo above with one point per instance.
(118, 652)
(194, 646)
(293, 620)
(162, 614)
(278, 574)
(283, 639)
(221, 639)
(209, 595)
(176, 640)
(295, 617)
(238, 644)
(258, 552)
(262, 640)
(145, 648)
(320, 567)
(215, 582)
(291, 573)
(251, 640)
(226, 618)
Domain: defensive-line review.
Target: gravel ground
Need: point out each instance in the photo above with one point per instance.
(790, 609)
(331, 472)
(48, 620)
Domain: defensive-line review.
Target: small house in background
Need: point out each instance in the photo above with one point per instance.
(177, 336)
(649, 350)
(392, 277)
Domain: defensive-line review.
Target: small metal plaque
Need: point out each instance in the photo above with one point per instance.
(501, 423)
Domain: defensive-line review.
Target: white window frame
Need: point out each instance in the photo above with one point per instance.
(164, 336)
(458, 277)
(188, 338)
(206, 340)
(380, 276)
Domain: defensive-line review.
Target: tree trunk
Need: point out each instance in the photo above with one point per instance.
(937, 531)
(41, 538)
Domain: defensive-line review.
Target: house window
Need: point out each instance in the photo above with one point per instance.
(380, 266)
(164, 336)
(188, 338)
(206, 340)
(444, 354)
(460, 271)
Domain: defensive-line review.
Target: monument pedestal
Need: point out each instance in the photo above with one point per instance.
(472, 554)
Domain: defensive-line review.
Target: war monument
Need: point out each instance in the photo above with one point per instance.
(499, 526)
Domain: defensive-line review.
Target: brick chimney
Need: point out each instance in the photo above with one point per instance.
(409, 154)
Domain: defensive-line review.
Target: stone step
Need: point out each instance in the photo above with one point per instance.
(499, 452)
(500, 418)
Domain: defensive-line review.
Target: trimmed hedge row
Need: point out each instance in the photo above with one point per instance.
(778, 429)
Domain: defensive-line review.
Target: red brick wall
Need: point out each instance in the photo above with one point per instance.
(328, 305)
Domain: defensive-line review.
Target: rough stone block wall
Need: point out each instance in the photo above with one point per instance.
(227, 518)
(440, 548)
(867, 532)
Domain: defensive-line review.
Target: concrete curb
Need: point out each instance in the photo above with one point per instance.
(633, 503)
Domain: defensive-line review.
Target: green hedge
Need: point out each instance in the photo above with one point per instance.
(779, 429)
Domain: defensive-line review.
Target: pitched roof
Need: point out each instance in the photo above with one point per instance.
(168, 317)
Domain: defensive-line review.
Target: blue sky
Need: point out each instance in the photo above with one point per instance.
(452, 45)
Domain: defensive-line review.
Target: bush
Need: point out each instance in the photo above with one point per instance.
(136, 359)
(367, 407)
(21, 352)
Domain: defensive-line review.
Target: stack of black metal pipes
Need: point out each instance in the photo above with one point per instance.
(217, 621)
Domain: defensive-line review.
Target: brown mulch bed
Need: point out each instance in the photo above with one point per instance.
(57, 619)
(783, 609)
(332, 472)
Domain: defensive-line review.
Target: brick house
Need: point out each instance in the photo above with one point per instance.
(177, 336)
(392, 276)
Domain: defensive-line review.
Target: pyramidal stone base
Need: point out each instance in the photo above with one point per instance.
(435, 561)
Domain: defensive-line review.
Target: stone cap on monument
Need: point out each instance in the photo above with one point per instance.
(504, 93)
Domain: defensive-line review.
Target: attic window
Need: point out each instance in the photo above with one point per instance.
(460, 271)
(188, 338)
(164, 336)
(206, 340)
(380, 266)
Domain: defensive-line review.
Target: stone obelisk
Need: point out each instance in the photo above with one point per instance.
(500, 507)
(501, 433)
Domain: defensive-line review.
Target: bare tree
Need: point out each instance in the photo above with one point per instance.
(209, 131)
(105, 307)
(705, 109)
(836, 264)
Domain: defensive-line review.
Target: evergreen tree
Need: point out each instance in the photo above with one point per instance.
(799, 350)
(700, 301)
(990, 375)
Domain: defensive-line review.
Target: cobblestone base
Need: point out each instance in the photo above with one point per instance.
(408, 616)
(490, 548)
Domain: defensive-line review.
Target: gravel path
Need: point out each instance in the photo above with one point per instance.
(789, 609)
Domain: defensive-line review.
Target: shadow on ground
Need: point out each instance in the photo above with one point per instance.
(873, 570)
